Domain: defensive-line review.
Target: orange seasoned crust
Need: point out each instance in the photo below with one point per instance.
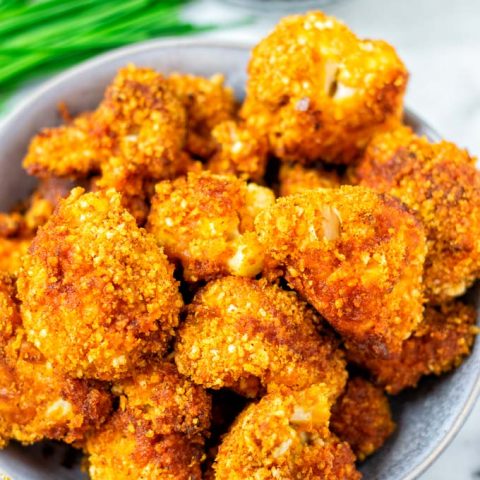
(248, 335)
(440, 182)
(158, 431)
(320, 92)
(239, 151)
(362, 417)
(205, 222)
(140, 119)
(36, 400)
(356, 256)
(97, 292)
(441, 343)
(122, 450)
(286, 436)
(295, 178)
(160, 397)
(207, 103)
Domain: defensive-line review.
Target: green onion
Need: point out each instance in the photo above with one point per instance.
(41, 36)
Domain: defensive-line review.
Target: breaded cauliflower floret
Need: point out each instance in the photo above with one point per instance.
(140, 120)
(158, 431)
(441, 343)
(440, 182)
(295, 178)
(207, 103)
(356, 256)
(122, 450)
(70, 150)
(37, 401)
(320, 92)
(239, 151)
(148, 121)
(98, 294)
(245, 334)
(362, 417)
(205, 222)
(286, 436)
(165, 400)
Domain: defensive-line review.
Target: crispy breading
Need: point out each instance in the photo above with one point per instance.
(207, 103)
(441, 183)
(239, 151)
(160, 397)
(12, 251)
(140, 120)
(98, 294)
(36, 400)
(71, 150)
(248, 335)
(362, 417)
(14, 242)
(158, 431)
(123, 450)
(441, 343)
(286, 436)
(320, 92)
(205, 222)
(295, 178)
(356, 256)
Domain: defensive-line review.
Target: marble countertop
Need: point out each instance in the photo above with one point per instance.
(439, 40)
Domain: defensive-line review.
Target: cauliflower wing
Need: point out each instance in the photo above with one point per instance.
(205, 223)
(441, 184)
(320, 92)
(98, 294)
(286, 436)
(248, 335)
(362, 417)
(356, 256)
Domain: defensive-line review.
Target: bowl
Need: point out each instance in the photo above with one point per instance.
(428, 417)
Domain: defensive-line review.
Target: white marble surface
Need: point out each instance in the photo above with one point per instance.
(440, 42)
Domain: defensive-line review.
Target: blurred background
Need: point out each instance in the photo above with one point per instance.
(439, 40)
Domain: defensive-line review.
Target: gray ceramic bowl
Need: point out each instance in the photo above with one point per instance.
(428, 417)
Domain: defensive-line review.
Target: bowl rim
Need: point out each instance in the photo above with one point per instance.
(151, 45)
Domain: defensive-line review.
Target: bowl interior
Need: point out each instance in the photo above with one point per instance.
(427, 417)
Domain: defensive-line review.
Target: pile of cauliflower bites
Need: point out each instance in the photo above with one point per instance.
(202, 289)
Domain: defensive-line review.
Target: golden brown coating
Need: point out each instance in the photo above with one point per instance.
(148, 121)
(14, 242)
(165, 400)
(139, 120)
(98, 294)
(158, 431)
(207, 103)
(286, 436)
(247, 335)
(71, 150)
(205, 222)
(440, 182)
(441, 343)
(356, 256)
(362, 417)
(295, 178)
(320, 92)
(12, 251)
(45, 198)
(239, 151)
(122, 450)
(36, 400)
